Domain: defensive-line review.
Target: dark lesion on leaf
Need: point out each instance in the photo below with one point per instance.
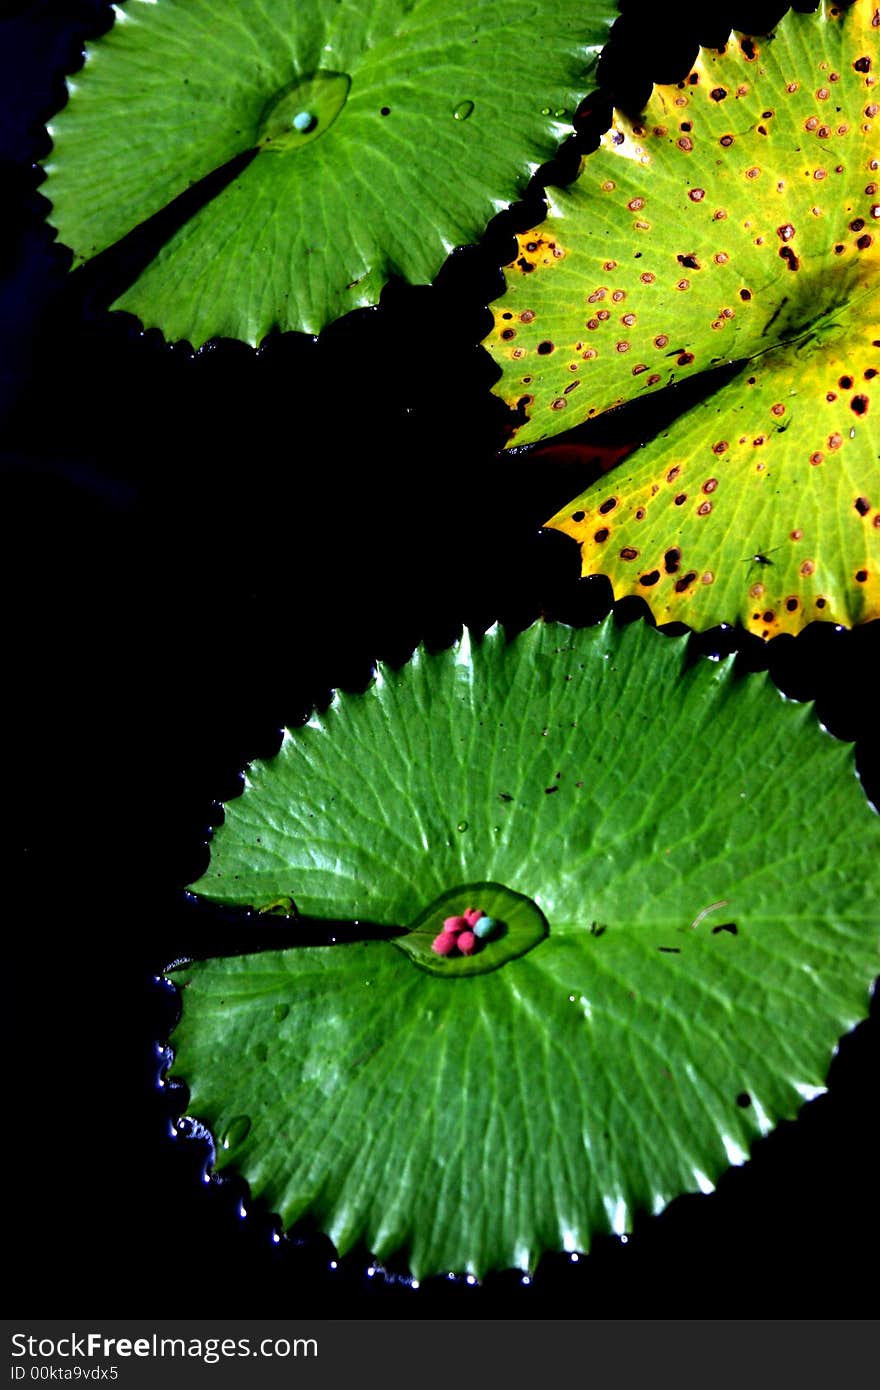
(672, 560)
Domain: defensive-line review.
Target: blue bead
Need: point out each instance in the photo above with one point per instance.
(485, 927)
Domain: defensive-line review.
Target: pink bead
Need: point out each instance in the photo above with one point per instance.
(467, 943)
(455, 925)
(444, 943)
(472, 915)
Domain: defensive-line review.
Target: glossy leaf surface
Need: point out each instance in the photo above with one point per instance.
(737, 221)
(388, 133)
(690, 840)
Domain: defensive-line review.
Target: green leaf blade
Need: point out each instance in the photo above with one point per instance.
(707, 938)
(135, 98)
(445, 117)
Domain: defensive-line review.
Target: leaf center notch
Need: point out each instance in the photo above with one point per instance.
(472, 930)
(302, 112)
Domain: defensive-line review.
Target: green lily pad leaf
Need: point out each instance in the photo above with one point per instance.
(387, 134)
(689, 840)
(736, 221)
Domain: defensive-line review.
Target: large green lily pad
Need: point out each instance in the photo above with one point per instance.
(690, 872)
(736, 221)
(387, 133)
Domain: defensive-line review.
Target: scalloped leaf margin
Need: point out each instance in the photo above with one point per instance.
(708, 944)
(737, 220)
(387, 134)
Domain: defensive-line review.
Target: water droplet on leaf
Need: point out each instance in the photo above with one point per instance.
(236, 1131)
(302, 112)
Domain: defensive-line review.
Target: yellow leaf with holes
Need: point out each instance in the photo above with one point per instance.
(762, 504)
(735, 222)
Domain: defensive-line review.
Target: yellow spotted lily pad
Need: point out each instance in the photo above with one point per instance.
(737, 221)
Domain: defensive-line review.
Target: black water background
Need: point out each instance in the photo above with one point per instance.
(196, 549)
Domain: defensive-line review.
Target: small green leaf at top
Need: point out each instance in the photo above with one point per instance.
(672, 849)
(736, 221)
(386, 134)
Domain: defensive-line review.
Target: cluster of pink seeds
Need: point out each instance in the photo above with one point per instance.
(462, 933)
